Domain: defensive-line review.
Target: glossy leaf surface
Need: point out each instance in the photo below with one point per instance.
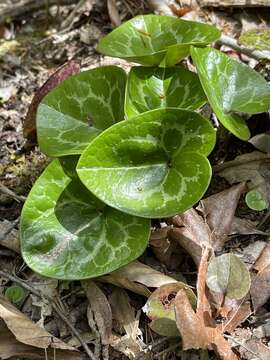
(229, 276)
(231, 87)
(153, 165)
(67, 233)
(79, 109)
(156, 40)
(150, 88)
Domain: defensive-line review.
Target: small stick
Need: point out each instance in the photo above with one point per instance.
(232, 43)
(243, 346)
(11, 193)
(54, 306)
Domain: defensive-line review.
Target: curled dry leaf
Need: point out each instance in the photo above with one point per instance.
(218, 211)
(62, 73)
(229, 276)
(160, 308)
(135, 272)
(100, 308)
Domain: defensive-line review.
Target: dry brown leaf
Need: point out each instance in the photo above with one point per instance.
(197, 329)
(264, 259)
(193, 233)
(245, 227)
(113, 13)
(136, 272)
(62, 73)
(12, 348)
(218, 211)
(100, 308)
(29, 333)
(260, 288)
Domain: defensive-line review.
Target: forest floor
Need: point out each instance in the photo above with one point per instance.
(32, 47)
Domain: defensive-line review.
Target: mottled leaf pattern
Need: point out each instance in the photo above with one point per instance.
(156, 40)
(67, 233)
(153, 165)
(231, 87)
(79, 109)
(149, 88)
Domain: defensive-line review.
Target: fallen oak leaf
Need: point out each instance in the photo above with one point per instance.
(197, 328)
(61, 74)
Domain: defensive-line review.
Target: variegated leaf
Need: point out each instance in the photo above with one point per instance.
(153, 87)
(153, 165)
(67, 233)
(79, 109)
(156, 40)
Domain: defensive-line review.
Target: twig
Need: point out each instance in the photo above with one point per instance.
(11, 193)
(54, 306)
(68, 22)
(25, 7)
(232, 43)
(243, 346)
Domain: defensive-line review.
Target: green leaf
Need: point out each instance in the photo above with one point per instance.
(231, 87)
(153, 165)
(79, 109)
(156, 40)
(228, 275)
(154, 87)
(160, 308)
(67, 233)
(15, 294)
(255, 201)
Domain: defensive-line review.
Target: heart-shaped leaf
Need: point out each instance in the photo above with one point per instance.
(153, 165)
(229, 276)
(79, 109)
(255, 200)
(67, 233)
(231, 87)
(156, 40)
(153, 87)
